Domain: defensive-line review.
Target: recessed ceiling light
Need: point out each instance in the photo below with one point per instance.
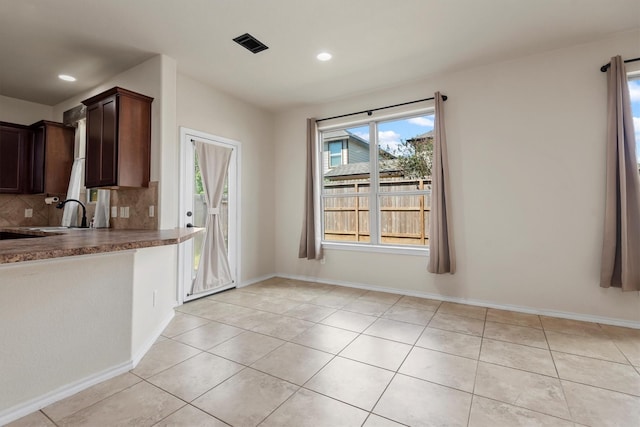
(324, 56)
(67, 78)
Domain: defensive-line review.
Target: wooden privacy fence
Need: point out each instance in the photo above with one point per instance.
(404, 218)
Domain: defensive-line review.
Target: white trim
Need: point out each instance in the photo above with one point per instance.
(479, 303)
(256, 280)
(374, 186)
(60, 393)
(381, 248)
(235, 169)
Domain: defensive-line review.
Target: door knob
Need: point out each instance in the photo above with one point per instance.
(189, 225)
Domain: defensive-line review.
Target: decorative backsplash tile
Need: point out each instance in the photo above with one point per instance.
(138, 200)
(13, 206)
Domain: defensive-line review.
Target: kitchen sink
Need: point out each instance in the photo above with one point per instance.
(57, 229)
(8, 235)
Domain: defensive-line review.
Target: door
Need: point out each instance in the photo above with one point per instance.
(193, 211)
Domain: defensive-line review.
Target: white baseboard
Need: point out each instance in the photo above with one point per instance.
(35, 404)
(480, 303)
(256, 280)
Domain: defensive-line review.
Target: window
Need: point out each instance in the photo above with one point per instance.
(335, 154)
(382, 197)
(634, 91)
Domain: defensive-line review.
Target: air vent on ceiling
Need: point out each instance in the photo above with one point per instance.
(251, 43)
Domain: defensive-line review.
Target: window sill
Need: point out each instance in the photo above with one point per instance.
(386, 249)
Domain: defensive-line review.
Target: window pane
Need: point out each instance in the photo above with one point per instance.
(634, 90)
(346, 219)
(405, 152)
(404, 219)
(335, 147)
(345, 155)
(199, 212)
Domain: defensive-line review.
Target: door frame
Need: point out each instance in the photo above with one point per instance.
(186, 168)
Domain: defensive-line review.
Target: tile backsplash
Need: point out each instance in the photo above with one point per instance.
(13, 206)
(138, 200)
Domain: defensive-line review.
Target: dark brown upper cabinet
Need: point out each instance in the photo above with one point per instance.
(53, 146)
(36, 158)
(15, 151)
(118, 139)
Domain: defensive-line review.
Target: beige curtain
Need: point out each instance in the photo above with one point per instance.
(311, 238)
(621, 247)
(214, 270)
(442, 258)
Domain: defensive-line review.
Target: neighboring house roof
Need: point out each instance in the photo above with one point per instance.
(361, 170)
(339, 134)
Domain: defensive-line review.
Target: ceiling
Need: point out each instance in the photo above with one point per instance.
(375, 43)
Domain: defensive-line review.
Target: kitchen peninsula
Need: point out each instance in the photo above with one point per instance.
(80, 306)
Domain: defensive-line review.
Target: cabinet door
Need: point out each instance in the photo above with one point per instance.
(102, 145)
(14, 144)
(59, 144)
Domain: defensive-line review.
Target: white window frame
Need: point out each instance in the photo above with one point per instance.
(374, 194)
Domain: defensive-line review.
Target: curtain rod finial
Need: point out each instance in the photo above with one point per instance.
(605, 67)
(369, 113)
(445, 97)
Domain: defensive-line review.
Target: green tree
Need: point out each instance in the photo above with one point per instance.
(198, 178)
(415, 157)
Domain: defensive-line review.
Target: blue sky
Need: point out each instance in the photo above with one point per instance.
(391, 133)
(634, 90)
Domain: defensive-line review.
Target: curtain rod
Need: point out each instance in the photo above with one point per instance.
(606, 66)
(369, 112)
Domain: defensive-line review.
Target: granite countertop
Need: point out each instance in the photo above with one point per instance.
(57, 242)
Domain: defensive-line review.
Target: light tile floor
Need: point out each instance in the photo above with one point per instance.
(290, 353)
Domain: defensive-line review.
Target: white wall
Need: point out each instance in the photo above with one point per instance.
(526, 152)
(153, 295)
(205, 109)
(14, 110)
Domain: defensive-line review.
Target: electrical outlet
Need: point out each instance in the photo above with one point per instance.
(28, 213)
(152, 211)
(114, 212)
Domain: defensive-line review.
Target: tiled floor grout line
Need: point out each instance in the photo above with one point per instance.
(527, 409)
